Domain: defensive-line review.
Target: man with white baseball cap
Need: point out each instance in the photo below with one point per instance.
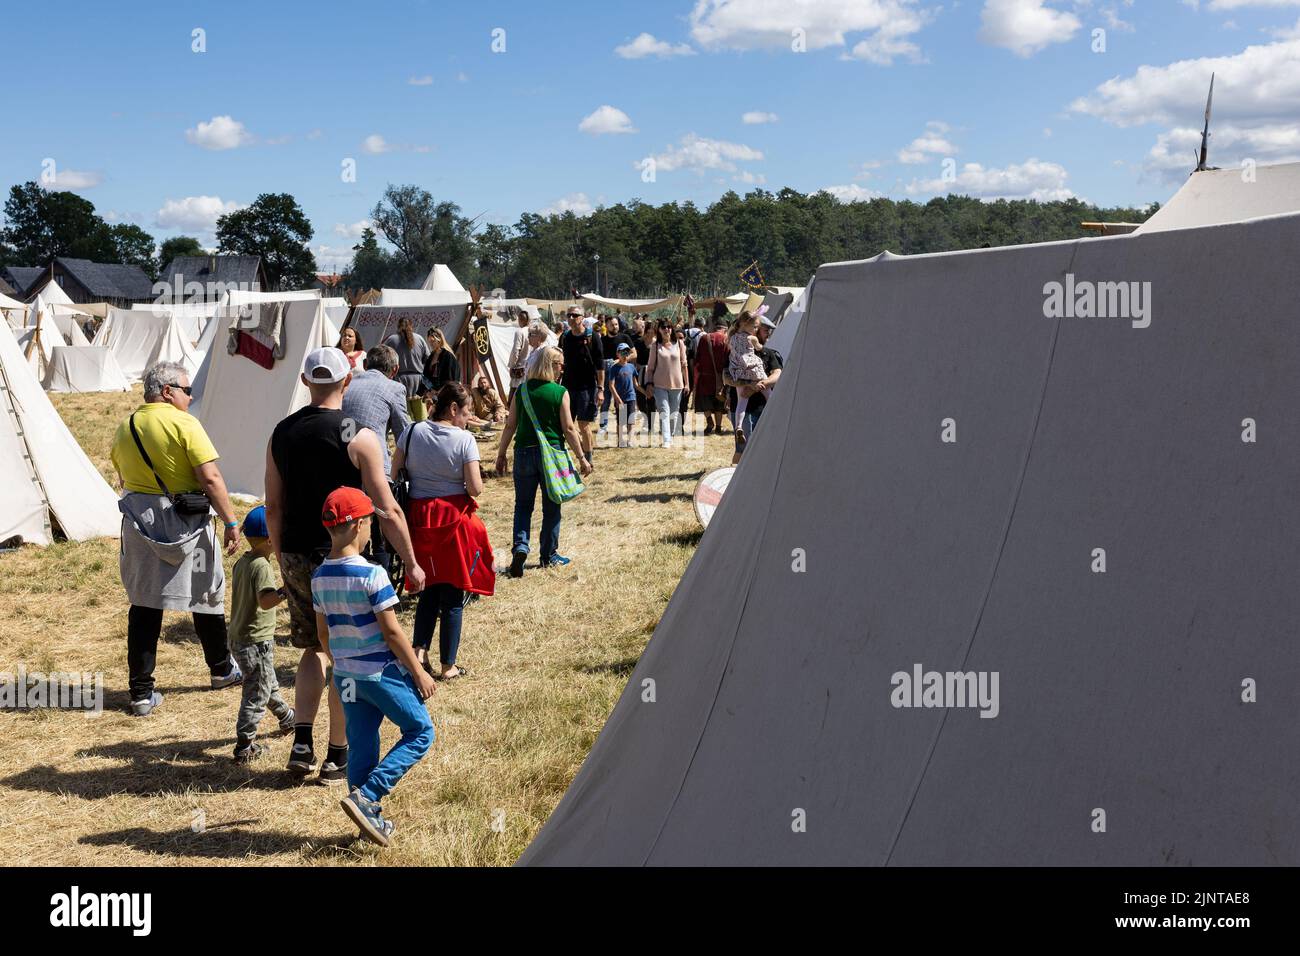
(312, 452)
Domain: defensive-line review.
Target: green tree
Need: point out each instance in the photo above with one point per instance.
(42, 224)
(275, 228)
(135, 246)
(371, 264)
(424, 231)
(178, 246)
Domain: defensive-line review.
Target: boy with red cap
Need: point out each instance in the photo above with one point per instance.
(376, 671)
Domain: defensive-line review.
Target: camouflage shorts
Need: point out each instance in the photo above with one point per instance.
(296, 570)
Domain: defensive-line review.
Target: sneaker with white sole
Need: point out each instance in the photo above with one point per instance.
(331, 774)
(250, 752)
(145, 707)
(236, 676)
(302, 760)
(368, 819)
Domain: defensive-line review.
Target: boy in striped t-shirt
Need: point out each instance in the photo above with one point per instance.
(375, 668)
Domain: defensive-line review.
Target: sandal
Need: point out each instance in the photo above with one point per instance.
(460, 672)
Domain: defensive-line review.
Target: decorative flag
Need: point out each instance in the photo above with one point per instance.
(751, 276)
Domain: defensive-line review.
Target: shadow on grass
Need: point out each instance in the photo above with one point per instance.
(662, 498)
(226, 842)
(619, 668)
(684, 539)
(162, 767)
(652, 479)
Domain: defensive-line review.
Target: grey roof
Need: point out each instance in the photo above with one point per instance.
(104, 280)
(6, 288)
(228, 269)
(23, 278)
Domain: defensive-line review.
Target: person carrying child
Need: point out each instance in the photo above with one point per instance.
(745, 365)
(254, 596)
(376, 671)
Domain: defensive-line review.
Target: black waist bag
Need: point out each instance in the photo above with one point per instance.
(187, 502)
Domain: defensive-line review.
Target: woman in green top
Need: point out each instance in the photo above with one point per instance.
(550, 403)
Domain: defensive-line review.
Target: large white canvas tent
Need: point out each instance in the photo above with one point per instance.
(39, 338)
(84, 368)
(241, 401)
(1214, 196)
(13, 311)
(46, 480)
(1080, 507)
(139, 338)
(193, 317)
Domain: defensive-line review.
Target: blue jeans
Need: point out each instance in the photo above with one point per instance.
(751, 422)
(528, 481)
(440, 603)
(667, 401)
(608, 398)
(392, 696)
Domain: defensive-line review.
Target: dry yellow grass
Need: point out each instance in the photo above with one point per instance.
(548, 654)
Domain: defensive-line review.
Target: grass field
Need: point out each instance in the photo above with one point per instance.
(548, 654)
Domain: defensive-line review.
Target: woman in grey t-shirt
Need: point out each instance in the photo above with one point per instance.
(450, 542)
(412, 354)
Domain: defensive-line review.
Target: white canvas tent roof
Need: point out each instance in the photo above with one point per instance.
(45, 477)
(192, 316)
(1215, 196)
(70, 329)
(39, 338)
(503, 340)
(972, 557)
(632, 305)
(84, 368)
(406, 298)
(138, 338)
(242, 402)
(442, 279)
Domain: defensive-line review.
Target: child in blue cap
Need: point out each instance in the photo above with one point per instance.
(253, 598)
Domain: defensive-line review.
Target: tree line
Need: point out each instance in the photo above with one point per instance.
(627, 250)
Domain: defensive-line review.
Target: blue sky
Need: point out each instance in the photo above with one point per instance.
(1011, 93)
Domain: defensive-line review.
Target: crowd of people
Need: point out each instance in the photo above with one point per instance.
(339, 505)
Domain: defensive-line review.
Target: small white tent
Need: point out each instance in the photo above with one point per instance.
(45, 477)
(782, 339)
(1214, 196)
(39, 338)
(140, 338)
(442, 279)
(241, 401)
(84, 368)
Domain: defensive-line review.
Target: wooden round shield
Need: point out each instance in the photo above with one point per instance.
(709, 492)
(483, 340)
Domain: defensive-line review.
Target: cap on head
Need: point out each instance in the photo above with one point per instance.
(343, 505)
(326, 366)
(623, 348)
(255, 523)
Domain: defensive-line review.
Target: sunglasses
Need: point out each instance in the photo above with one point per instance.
(187, 389)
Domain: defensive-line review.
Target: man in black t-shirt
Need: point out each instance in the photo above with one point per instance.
(312, 452)
(584, 374)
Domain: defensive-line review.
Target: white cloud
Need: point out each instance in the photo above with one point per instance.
(1025, 26)
(462, 77)
(1032, 179)
(851, 193)
(73, 179)
(220, 132)
(771, 24)
(194, 213)
(1219, 6)
(576, 203)
(699, 154)
(758, 117)
(1260, 85)
(932, 142)
(425, 80)
(332, 258)
(606, 120)
(374, 144)
(1287, 33)
(646, 45)
(749, 179)
(352, 230)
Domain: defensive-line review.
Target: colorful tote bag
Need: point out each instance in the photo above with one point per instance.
(559, 477)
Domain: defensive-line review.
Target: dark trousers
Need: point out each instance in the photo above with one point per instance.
(441, 604)
(144, 627)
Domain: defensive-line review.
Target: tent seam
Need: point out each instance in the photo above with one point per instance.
(997, 561)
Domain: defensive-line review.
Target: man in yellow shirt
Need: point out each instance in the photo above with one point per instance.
(170, 561)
